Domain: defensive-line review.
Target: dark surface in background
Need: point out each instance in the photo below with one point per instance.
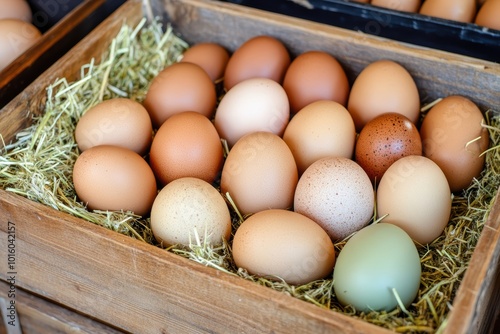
(466, 39)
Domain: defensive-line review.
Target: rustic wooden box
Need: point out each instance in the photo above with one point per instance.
(139, 288)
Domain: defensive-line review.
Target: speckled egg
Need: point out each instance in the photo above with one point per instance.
(384, 140)
(337, 194)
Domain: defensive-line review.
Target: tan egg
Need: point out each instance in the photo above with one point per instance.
(455, 10)
(454, 138)
(114, 178)
(337, 194)
(180, 87)
(313, 76)
(16, 37)
(189, 208)
(381, 87)
(259, 57)
(281, 244)
(401, 5)
(187, 144)
(15, 9)
(260, 173)
(489, 15)
(120, 122)
(415, 196)
(212, 57)
(321, 129)
(257, 104)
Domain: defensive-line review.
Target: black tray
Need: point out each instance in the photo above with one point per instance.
(461, 38)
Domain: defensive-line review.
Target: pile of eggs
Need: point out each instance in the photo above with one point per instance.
(302, 156)
(17, 33)
(481, 12)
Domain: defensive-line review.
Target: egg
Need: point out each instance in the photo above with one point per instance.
(120, 122)
(414, 195)
(385, 139)
(187, 144)
(283, 245)
(381, 87)
(456, 10)
(188, 209)
(259, 57)
(488, 15)
(402, 5)
(15, 9)
(212, 57)
(114, 178)
(180, 87)
(378, 266)
(315, 75)
(321, 129)
(454, 137)
(257, 104)
(260, 173)
(16, 37)
(337, 194)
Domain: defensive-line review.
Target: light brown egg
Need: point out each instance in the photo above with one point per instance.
(186, 145)
(16, 37)
(180, 87)
(414, 195)
(256, 104)
(260, 173)
(455, 10)
(281, 244)
(453, 137)
(15, 9)
(381, 87)
(190, 208)
(321, 129)
(337, 194)
(114, 178)
(402, 5)
(212, 57)
(489, 15)
(385, 139)
(313, 76)
(120, 122)
(259, 57)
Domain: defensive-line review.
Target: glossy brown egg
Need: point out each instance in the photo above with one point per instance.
(212, 57)
(455, 10)
(384, 140)
(259, 57)
(402, 5)
(16, 37)
(489, 15)
(15, 9)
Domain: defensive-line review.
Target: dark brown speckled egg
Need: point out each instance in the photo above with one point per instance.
(384, 140)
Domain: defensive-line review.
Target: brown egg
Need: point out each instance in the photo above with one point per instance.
(456, 10)
(190, 208)
(385, 139)
(256, 104)
(320, 129)
(453, 137)
(313, 76)
(489, 15)
(15, 9)
(260, 173)
(381, 87)
(114, 178)
(401, 5)
(211, 57)
(16, 37)
(337, 194)
(283, 245)
(120, 122)
(260, 56)
(180, 87)
(186, 145)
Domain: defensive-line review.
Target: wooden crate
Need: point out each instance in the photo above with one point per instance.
(143, 289)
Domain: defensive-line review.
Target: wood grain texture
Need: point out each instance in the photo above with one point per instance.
(141, 288)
